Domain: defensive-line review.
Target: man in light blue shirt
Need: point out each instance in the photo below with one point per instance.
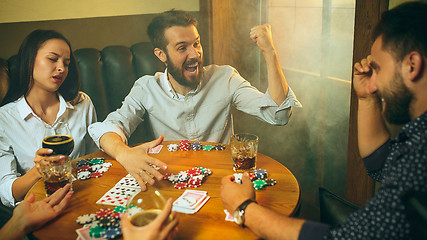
(189, 101)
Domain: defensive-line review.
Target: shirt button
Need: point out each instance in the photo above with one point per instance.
(188, 118)
(192, 138)
(187, 100)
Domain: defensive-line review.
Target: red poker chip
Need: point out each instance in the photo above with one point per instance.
(180, 185)
(194, 185)
(195, 182)
(104, 212)
(96, 174)
(166, 176)
(194, 171)
(84, 168)
(252, 176)
(116, 215)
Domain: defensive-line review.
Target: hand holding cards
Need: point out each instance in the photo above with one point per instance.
(190, 201)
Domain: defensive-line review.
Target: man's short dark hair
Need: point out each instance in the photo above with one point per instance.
(404, 29)
(157, 27)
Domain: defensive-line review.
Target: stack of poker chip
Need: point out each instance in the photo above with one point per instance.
(190, 178)
(185, 145)
(258, 177)
(105, 223)
(173, 147)
(92, 168)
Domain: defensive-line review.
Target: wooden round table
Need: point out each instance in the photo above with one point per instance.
(208, 223)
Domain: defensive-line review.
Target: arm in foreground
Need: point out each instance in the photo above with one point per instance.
(29, 215)
(264, 222)
(157, 229)
(134, 159)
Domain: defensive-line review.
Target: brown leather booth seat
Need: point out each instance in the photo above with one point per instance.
(107, 76)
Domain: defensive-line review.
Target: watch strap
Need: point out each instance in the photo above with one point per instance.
(241, 208)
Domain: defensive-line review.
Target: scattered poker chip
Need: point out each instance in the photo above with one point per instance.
(84, 175)
(260, 173)
(174, 178)
(238, 177)
(107, 222)
(180, 185)
(194, 182)
(83, 162)
(96, 174)
(85, 219)
(96, 232)
(251, 176)
(113, 233)
(194, 185)
(259, 184)
(96, 167)
(208, 148)
(166, 176)
(96, 161)
(107, 164)
(194, 171)
(183, 176)
(219, 147)
(173, 147)
(116, 215)
(196, 146)
(103, 212)
(132, 210)
(200, 176)
(270, 182)
(83, 168)
(119, 209)
(102, 170)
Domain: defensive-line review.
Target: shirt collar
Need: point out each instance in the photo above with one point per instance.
(25, 110)
(167, 87)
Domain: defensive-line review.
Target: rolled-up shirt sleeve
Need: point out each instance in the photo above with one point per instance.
(8, 171)
(123, 121)
(250, 100)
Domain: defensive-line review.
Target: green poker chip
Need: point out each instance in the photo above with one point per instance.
(96, 161)
(208, 147)
(259, 184)
(120, 209)
(96, 232)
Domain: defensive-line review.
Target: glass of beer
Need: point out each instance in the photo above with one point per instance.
(244, 149)
(144, 207)
(57, 174)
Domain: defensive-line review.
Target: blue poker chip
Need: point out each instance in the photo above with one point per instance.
(84, 162)
(260, 173)
(113, 233)
(196, 146)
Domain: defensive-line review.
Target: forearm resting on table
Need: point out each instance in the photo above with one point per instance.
(372, 131)
(277, 84)
(268, 224)
(113, 145)
(23, 184)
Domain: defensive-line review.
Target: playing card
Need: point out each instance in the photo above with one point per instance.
(118, 195)
(155, 149)
(190, 201)
(229, 217)
(83, 234)
(128, 182)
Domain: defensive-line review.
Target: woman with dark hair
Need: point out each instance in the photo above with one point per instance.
(43, 92)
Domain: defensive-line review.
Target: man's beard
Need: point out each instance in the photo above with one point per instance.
(397, 101)
(178, 72)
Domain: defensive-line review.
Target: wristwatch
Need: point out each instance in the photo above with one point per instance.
(239, 213)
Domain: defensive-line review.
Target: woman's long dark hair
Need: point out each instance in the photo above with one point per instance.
(22, 74)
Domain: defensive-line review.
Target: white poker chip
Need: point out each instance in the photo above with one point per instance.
(183, 176)
(133, 210)
(238, 177)
(201, 176)
(85, 219)
(174, 178)
(107, 164)
(83, 175)
(173, 147)
(103, 169)
(96, 167)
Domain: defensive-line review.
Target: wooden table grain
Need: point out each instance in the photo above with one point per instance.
(208, 223)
